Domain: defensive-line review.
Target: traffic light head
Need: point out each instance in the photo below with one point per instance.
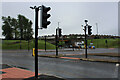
(45, 16)
(60, 32)
(89, 30)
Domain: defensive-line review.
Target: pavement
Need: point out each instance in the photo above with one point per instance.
(97, 55)
(12, 73)
(90, 58)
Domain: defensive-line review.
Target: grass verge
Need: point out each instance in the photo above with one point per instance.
(15, 44)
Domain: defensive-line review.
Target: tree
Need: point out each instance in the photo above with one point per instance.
(15, 32)
(20, 25)
(29, 31)
(20, 28)
(7, 27)
(25, 27)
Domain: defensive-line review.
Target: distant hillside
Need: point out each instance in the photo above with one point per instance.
(105, 43)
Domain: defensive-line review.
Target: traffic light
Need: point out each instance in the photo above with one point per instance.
(89, 30)
(45, 16)
(60, 32)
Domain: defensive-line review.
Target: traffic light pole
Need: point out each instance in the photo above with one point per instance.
(44, 16)
(56, 43)
(85, 43)
(36, 42)
(28, 45)
(45, 43)
(86, 39)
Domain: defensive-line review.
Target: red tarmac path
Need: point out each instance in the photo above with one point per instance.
(16, 74)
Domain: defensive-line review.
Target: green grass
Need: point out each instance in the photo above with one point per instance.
(15, 44)
(100, 43)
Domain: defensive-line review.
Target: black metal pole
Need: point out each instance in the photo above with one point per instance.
(20, 33)
(20, 44)
(73, 47)
(56, 44)
(36, 42)
(85, 42)
(28, 45)
(45, 43)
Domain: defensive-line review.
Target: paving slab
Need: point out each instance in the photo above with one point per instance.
(13, 73)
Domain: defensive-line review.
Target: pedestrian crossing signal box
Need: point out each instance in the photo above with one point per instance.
(33, 54)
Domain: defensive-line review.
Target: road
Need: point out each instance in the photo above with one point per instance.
(81, 51)
(64, 68)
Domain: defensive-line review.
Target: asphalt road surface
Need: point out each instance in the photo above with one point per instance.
(81, 51)
(64, 68)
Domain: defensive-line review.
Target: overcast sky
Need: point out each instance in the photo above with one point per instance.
(71, 16)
